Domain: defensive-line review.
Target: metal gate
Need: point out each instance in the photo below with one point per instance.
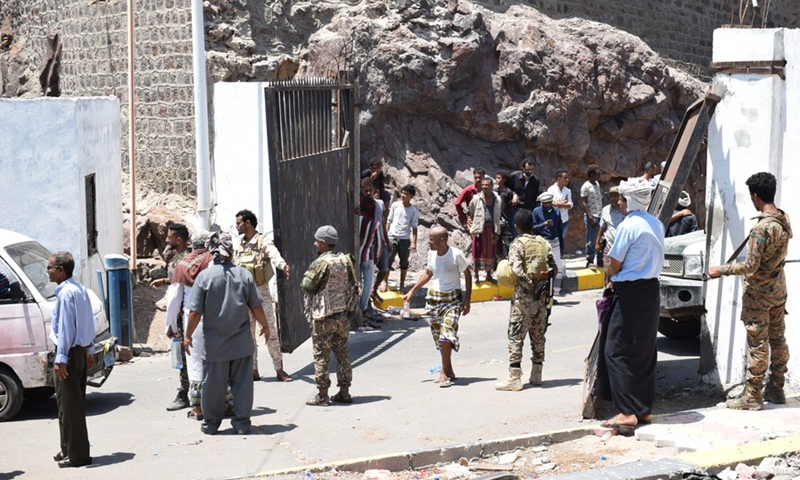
(310, 135)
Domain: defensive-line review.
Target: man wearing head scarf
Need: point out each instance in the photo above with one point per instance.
(225, 295)
(683, 220)
(627, 369)
(178, 294)
(330, 296)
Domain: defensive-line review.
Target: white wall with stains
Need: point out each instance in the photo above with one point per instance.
(47, 148)
(756, 127)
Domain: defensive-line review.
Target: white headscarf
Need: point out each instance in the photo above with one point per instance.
(684, 200)
(637, 192)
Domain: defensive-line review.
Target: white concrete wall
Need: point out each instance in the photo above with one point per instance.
(241, 163)
(749, 133)
(47, 147)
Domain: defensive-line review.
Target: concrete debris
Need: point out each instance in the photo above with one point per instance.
(508, 458)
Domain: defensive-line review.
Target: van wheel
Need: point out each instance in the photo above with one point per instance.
(680, 328)
(11, 395)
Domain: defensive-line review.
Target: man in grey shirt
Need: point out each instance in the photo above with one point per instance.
(224, 295)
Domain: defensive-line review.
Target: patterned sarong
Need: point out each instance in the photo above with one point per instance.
(484, 249)
(444, 309)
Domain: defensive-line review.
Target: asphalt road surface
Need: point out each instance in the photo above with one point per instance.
(397, 405)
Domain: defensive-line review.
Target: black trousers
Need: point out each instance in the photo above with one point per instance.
(630, 346)
(71, 400)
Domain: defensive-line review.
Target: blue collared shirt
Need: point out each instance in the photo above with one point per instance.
(540, 216)
(73, 322)
(639, 245)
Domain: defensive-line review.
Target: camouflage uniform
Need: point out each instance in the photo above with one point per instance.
(528, 255)
(269, 253)
(331, 299)
(764, 300)
(184, 374)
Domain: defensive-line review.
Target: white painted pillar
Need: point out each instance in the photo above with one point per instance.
(747, 135)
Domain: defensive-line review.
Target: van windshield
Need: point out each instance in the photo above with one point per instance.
(32, 258)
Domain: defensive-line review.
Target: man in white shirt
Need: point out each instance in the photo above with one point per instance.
(445, 302)
(592, 204)
(562, 200)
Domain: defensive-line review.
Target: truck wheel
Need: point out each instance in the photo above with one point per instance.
(679, 328)
(11, 395)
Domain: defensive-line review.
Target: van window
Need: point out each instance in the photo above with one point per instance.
(11, 289)
(32, 258)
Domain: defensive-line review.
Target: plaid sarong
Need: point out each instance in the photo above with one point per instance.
(444, 309)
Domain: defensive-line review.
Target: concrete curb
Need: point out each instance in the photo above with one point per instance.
(417, 459)
(583, 279)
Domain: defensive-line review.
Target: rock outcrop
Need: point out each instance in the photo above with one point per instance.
(447, 86)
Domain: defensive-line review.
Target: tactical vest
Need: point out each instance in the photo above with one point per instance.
(338, 294)
(535, 250)
(254, 261)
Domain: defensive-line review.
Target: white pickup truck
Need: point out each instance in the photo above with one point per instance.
(26, 309)
(681, 280)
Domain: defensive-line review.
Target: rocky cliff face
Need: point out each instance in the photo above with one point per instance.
(448, 86)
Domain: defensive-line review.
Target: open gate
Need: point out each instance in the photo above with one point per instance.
(310, 134)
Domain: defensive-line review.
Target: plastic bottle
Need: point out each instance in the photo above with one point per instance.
(176, 349)
(436, 369)
(406, 310)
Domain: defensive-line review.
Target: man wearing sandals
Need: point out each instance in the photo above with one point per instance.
(628, 368)
(225, 295)
(445, 302)
(330, 297)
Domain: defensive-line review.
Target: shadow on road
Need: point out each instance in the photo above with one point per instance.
(258, 411)
(561, 382)
(273, 429)
(116, 457)
(10, 475)
(679, 348)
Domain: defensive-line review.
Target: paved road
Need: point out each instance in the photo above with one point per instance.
(398, 407)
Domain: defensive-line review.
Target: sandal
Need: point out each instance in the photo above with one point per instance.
(283, 376)
(645, 419)
(377, 299)
(59, 456)
(191, 414)
(446, 382)
(318, 401)
(624, 430)
(339, 398)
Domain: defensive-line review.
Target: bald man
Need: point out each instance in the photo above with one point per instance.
(445, 300)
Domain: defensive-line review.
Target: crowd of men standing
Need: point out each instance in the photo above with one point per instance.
(219, 302)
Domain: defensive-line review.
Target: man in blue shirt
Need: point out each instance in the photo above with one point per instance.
(628, 368)
(547, 223)
(72, 332)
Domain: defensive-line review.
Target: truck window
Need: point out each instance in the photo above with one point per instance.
(32, 258)
(11, 289)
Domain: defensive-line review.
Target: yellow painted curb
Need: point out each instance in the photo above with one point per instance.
(742, 453)
(590, 278)
(481, 292)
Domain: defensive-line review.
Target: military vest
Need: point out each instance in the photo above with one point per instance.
(338, 294)
(254, 260)
(536, 250)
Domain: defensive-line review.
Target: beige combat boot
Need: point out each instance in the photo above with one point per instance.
(513, 383)
(536, 374)
(749, 400)
(773, 392)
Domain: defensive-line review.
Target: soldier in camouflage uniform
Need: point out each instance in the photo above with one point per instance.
(255, 244)
(530, 257)
(764, 297)
(178, 241)
(331, 300)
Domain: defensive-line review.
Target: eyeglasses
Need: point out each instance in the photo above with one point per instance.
(53, 267)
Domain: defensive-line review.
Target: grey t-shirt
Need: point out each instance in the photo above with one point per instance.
(224, 295)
